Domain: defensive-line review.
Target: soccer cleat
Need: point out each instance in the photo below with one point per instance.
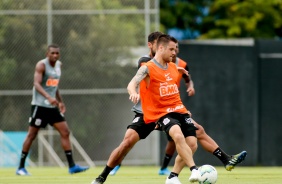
(114, 171)
(164, 171)
(173, 180)
(22, 172)
(99, 180)
(234, 160)
(77, 169)
(195, 176)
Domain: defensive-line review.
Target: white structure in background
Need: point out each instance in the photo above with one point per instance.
(43, 144)
(10, 152)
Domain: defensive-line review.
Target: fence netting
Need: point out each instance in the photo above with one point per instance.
(100, 43)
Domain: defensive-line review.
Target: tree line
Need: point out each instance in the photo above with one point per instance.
(212, 19)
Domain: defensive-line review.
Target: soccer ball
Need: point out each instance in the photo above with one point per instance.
(208, 174)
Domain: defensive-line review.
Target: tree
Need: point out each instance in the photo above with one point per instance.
(91, 48)
(224, 18)
(184, 15)
(243, 19)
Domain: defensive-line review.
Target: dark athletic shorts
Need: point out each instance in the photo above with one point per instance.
(41, 116)
(167, 136)
(183, 120)
(138, 124)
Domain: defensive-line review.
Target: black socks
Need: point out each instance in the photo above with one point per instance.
(221, 155)
(172, 174)
(106, 172)
(69, 158)
(166, 161)
(23, 157)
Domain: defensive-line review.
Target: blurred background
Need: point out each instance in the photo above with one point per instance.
(233, 49)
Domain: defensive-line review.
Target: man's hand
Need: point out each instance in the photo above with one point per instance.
(190, 88)
(157, 127)
(190, 91)
(62, 107)
(134, 97)
(53, 101)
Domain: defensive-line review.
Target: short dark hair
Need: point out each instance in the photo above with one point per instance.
(53, 45)
(154, 36)
(165, 39)
(174, 39)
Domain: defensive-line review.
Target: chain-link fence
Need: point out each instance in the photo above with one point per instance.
(100, 43)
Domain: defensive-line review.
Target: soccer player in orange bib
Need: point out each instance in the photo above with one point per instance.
(139, 130)
(161, 101)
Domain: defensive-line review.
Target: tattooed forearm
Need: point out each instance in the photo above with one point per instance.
(140, 75)
(134, 83)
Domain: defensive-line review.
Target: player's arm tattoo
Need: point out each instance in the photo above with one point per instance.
(135, 81)
(140, 75)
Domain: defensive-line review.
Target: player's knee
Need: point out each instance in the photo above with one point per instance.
(194, 147)
(177, 137)
(65, 133)
(127, 143)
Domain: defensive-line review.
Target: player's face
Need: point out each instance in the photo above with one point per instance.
(169, 52)
(177, 51)
(53, 54)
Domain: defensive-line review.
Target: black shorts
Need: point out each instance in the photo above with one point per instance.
(183, 120)
(167, 136)
(138, 124)
(41, 116)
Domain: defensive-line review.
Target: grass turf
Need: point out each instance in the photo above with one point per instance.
(138, 175)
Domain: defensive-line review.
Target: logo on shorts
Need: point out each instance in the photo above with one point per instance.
(166, 121)
(188, 120)
(136, 120)
(29, 119)
(38, 122)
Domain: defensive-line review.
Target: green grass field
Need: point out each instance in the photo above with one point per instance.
(138, 175)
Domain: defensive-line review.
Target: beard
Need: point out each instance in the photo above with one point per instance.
(153, 53)
(168, 60)
(174, 59)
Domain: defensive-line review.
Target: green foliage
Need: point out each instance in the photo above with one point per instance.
(94, 42)
(181, 14)
(226, 18)
(7, 69)
(93, 48)
(241, 19)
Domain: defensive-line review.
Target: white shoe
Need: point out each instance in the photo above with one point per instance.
(195, 176)
(22, 172)
(173, 180)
